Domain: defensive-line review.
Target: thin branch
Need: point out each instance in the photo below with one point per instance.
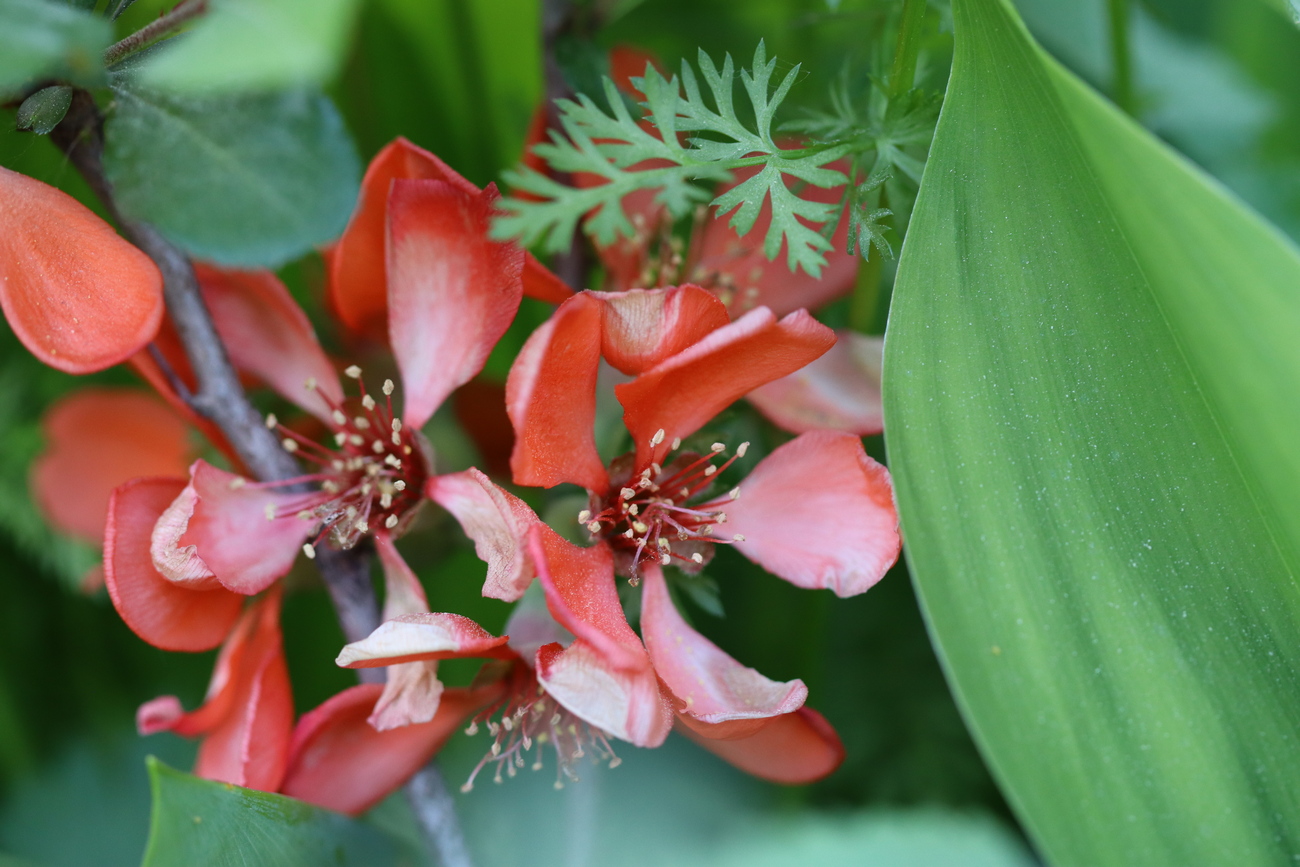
(220, 398)
(169, 23)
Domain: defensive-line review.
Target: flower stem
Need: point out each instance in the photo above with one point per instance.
(169, 23)
(1121, 59)
(220, 398)
(903, 73)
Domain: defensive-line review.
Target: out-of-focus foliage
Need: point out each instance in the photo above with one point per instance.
(46, 38)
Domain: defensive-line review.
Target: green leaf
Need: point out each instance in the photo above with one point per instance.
(215, 824)
(1093, 347)
(248, 181)
(42, 111)
(257, 45)
(42, 39)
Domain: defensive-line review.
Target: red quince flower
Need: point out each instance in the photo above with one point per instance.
(358, 262)
(332, 757)
(77, 295)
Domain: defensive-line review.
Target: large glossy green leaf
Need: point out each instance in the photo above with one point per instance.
(213, 824)
(1091, 374)
(244, 180)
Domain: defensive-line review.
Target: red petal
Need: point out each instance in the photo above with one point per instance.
(339, 761)
(839, 391)
(723, 257)
(403, 593)
(250, 746)
(819, 512)
(162, 613)
(684, 392)
(248, 715)
(76, 294)
(452, 291)
(497, 522)
(98, 438)
(231, 534)
(581, 596)
(267, 334)
(627, 62)
(551, 398)
(626, 703)
(422, 637)
(358, 282)
(794, 748)
(715, 688)
(642, 327)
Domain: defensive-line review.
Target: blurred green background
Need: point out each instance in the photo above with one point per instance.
(1219, 79)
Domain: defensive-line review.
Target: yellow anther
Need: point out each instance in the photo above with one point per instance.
(677, 443)
(584, 516)
(290, 445)
(593, 527)
(367, 401)
(639, 527)
(718, 447)
(390, 522)
(734, 493)
(627, 493)
(271, 421)
(353, 372)
(388, 386)
(310, 384)
(357, 440)
(269, 511)
(710, 470)
(378, 447)
(399, 485)
(237, 482)
(740, 452)
(393, 461)
(738, 538)
(361, 422)
(309, 551)
(396, 438)
(397, 425)
(339, 417)
(340, 438)
(697, 557)
(657, 438)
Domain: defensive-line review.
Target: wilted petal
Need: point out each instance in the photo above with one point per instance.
(267, 334)
(414, 637)
(163, 613)
(839, 391)
(581, 596)
(819, 512)
(624, 702)
(98, 438)
(714, 687)
(341, 762)
(358, 272)
(498, 523)
(691, 387)
(78, 296)
(641, 328)
(551, 398)
(247, 718)
(794, 748)
(452, 291)
(223, 523)
(747, 278)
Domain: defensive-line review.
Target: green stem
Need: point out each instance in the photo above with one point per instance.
(1122, 86)
(903, 74)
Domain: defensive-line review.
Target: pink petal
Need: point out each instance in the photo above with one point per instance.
(411, 696)
(819, 512)
(723, 257)
(714, 687)
(642, 327)
(452, 292)
(267, 334)
(339, 761)
(98, 438)
(497, 522)
(531, 625)
(415, 637)
(685, 391)
(623, 702)
(581, 596)
(839, 391)
(224, 526)
(164, 614)
(551, 398)
(794, 748)
(403, 593)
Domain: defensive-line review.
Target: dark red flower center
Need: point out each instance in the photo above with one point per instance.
(664, 512)
(372, 479)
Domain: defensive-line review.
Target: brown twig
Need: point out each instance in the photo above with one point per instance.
(220, 398)
(172, 21)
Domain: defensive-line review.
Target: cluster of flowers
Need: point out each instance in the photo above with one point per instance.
(194, 554)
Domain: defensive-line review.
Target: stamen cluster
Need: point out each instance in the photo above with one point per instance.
(375, 477)
(529, 721)
(651, 511)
